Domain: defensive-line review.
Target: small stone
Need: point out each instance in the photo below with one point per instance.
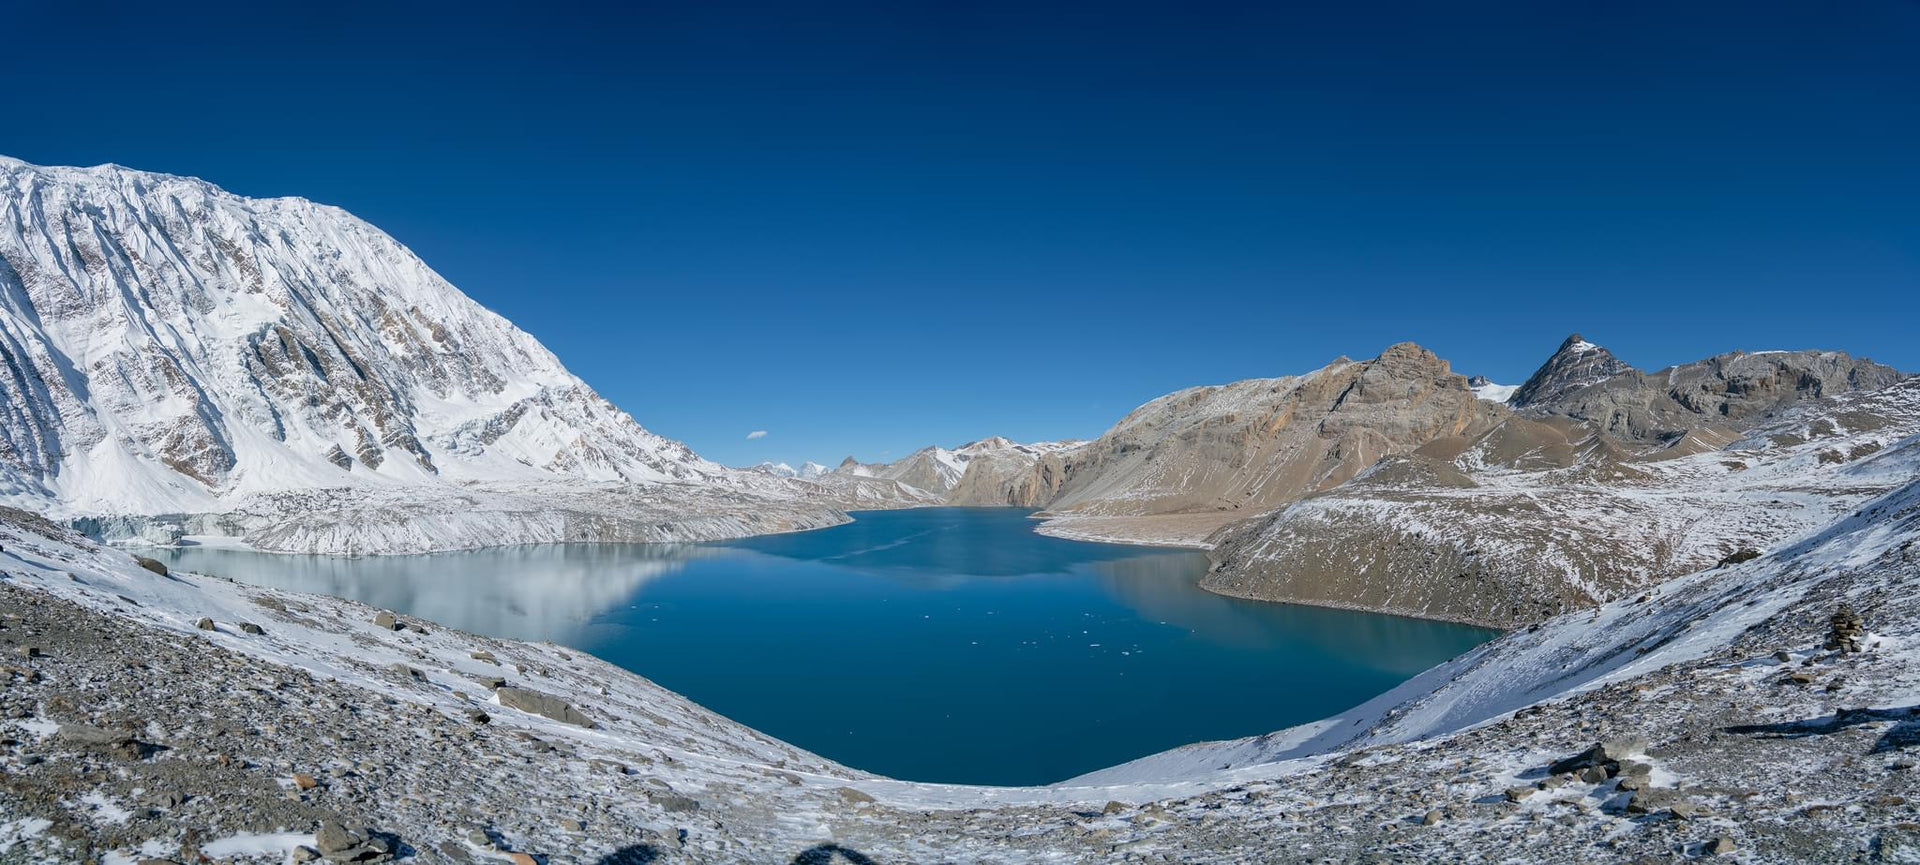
(1720, 846)
(1684, 810)
(572, 825)
(1782, 656)
(205, 624)
(478, 717)
(1800, 678)
(492, 683)
(1630, 783)
(854, 797)
(1900, 765)
(484, 655)
(522, 859)
(407, 672)
(1113, 807)
(386, 620)
(303, 853)
(251, 628)
(1431, 818)
(305, 781)
(480, 839)
(1517, 794)
(1594, 774)
(153, 565)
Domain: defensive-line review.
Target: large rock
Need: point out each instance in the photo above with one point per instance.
(546, 705)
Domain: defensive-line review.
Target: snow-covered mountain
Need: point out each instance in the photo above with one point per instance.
(1486, 389)
(807, 471)
(170, 346)
(167, 347)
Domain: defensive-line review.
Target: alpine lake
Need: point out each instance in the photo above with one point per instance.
(932, 644)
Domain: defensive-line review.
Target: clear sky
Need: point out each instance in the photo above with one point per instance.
(866, 228)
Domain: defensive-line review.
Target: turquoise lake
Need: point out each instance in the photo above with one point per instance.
(936, 644)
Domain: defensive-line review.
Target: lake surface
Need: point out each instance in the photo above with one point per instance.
(936, 644)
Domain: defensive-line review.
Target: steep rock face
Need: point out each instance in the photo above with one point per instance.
(166, 346)
(1255, 444)
(1727, 392)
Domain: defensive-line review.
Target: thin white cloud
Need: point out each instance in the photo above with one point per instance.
(756, 434)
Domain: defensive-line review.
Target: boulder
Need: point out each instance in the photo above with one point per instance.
(546, 705)
(154, 565)
(388, 621)
(334, 838)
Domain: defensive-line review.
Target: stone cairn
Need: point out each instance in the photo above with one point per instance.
(1846, 631)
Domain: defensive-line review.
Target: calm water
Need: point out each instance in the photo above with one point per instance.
(941, 644)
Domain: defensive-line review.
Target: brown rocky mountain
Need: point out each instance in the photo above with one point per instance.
(1209, 455)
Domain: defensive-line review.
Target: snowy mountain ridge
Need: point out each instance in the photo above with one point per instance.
(169, 348)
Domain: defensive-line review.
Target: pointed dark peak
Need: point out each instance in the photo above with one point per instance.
(1576, 365)
(849, 462)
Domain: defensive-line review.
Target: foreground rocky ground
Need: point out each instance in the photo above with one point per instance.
(287, 727)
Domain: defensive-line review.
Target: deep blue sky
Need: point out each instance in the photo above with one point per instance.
(868, 228)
